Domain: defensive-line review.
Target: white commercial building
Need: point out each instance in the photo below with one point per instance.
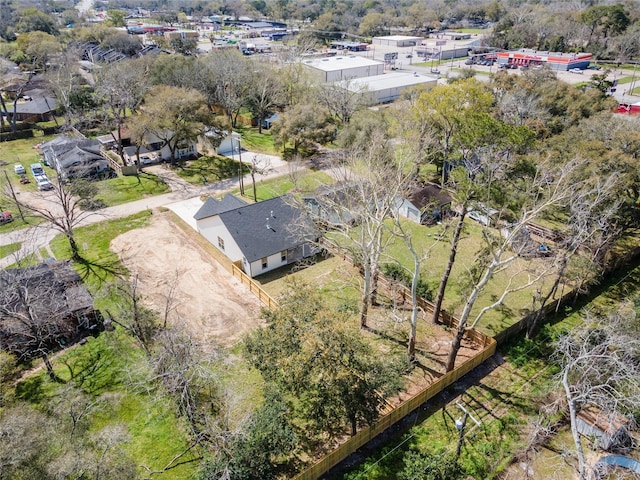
(336, 69)
(397, 41)
(388, 87)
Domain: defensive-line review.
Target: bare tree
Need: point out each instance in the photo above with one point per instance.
(60, 208)
(588, 232)
(186, 372)
(260, 166)
(121, 86)
(370, 183)
(343, 99)
(546, 188)
(36, 313)
(599, 364)
(130, 313)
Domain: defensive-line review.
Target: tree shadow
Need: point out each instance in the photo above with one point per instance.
(31, 389)
(100, 271)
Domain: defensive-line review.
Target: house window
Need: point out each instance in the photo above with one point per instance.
(283, 256)
(220, 243)
(264, 263)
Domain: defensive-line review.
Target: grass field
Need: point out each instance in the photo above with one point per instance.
(209, 169)
(119, 190)
(257, 142)
(505, 398)
(306, 182)
(6, 250)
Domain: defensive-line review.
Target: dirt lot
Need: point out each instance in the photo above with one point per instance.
(209, 301)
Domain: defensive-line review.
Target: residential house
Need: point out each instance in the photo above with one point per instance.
(44, 307)
(159, 150)
(35, 109)
(257, 237)
(426, 204)
(608, 431)
(74, 157)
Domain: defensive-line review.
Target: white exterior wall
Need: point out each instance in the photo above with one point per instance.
(273, 261)
(408, 210)
(211, 228)
(354, 72)
(165, 152)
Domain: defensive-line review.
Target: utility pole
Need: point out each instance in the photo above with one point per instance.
(13, 194)
(461, 423)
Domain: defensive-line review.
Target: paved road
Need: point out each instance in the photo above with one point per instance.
(37, 237)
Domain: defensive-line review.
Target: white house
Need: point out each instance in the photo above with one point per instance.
(259, 237)
(426, 204)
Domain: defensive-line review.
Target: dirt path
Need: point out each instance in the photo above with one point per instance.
(209, 301)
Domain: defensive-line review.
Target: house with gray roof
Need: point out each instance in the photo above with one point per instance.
(74, 157)
(258, 237)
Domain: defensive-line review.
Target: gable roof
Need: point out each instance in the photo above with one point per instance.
(214, 207)
(430, 194)
(37, 106)
(265, 228)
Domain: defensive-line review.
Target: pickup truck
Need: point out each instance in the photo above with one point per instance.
(43, 182)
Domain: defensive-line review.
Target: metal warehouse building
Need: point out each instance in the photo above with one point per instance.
(388, 87)
(396, 41)
(335, 69)
(555, 60)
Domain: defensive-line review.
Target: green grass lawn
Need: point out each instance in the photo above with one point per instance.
(112, 364)
(116, 191)
(100, 264)
(306, 182)
(209, 169)
(6, 250)
(257, 142)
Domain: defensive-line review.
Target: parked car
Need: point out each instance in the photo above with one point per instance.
(36, 169)
(576, 70)
(43, 182)
(5, 217)
(19, 169)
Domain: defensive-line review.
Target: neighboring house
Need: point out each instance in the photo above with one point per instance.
(427, 204)
(333, 205)
(268, 122)
(75, 157)
(160, 150)
(258, 237)
(44, 307)
(40, 109)
(608, 431)
(230, 144)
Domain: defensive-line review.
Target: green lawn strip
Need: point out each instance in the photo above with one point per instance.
(625, 80)
(209, 169)
(108, 367)
(100, 264)
(306, 182)
(256, 142)
(6, 250)
(26, 261)
(116, 191)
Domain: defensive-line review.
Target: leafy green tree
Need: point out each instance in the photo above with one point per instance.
(302, 125)
(174, 115)
(255, 451)
(444, 117)
(116, 18)
(316, 355)
(440, 465)
(184, 46)
(33, 19)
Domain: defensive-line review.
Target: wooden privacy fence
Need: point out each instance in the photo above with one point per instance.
(256, 289)
(368, 433)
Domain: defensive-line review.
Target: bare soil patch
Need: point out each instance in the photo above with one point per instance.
(211, 303)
